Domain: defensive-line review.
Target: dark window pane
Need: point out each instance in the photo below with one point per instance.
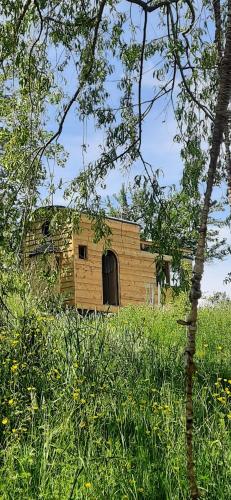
(82, 252)
(46, 228)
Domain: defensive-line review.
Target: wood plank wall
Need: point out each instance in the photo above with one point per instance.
(136, 268)
(62, 241)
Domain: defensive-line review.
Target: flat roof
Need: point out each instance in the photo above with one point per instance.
(122, 220)
(119, 219)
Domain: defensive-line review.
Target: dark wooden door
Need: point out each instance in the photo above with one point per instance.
(110, 279)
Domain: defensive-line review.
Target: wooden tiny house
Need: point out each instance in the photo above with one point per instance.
(92, 279)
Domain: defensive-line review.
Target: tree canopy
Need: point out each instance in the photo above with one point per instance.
(104, 46)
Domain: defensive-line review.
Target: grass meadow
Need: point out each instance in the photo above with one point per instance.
(93, 408)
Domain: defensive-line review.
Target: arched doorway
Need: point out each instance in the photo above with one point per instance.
(110, 279)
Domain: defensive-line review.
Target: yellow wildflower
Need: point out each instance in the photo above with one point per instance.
(14, 367)
(14, 342)
(5, 421)
(221, 399)
(87, 485)
(11, 402)
(76, 394)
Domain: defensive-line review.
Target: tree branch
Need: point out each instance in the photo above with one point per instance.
(33, 46)
(151, 8)
(141, 75)
(164, 3)
(22, 15)
(178, 61)
(81, 85)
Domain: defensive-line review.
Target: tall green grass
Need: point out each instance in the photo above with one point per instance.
(93, 408)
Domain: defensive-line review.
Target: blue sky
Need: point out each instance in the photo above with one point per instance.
(158, 148)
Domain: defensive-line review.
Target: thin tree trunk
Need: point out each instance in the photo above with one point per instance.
(228, 157)
(223, 99)
(218, 41)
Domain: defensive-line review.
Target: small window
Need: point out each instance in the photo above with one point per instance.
(46, 228)
(83, 252)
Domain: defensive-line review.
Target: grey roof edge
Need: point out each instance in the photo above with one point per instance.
(119, 219)
(123, 220)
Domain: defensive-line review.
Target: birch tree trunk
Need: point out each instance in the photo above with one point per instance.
(223, 99)
(228, 157)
